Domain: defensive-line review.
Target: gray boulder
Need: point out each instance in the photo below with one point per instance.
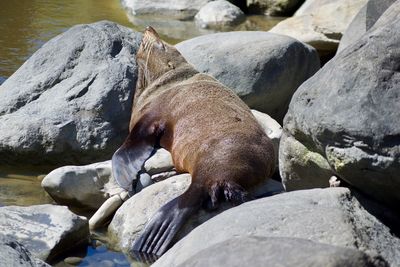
(178, 9)
(131, 218)
(349, 114)
(259, 251)
(82, 186)
(363, 21)
(264, 69)
(330, 216)
(71, 100)
(219, 14)
(13, 253)
(45, 230)
(273, 7)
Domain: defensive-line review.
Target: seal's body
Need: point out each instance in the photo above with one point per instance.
(209, 131)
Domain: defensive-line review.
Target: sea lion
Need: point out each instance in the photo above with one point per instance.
(210, 132)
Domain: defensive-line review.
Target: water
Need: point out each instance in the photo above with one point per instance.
(25, 25)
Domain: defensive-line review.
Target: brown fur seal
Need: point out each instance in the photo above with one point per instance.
(209, 131)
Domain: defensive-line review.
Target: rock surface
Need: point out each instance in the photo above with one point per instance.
(273, 7)
(161, 161)
(323, 27)
(309, 6)
(70, 101)
(82, 186)
(14, 254)
(219, 13)
(330, 216)
(272, 128)
(178, 9)
(348, 113)
(45, 230)
(258, 251)
(363, 21)
(264, 69)
(131, 218)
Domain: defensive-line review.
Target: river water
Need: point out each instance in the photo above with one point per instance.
(25, 25)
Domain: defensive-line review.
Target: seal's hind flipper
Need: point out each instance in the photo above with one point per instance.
(128, 160)
(166, 222)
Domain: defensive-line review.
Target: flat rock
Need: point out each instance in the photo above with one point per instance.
(45, 230)
(322, 27)
(13, 253)
(219, 13)
(273, 7)
(330, 216)
(363, 21)
(70, 101)
(259, 251)
(348, 114)
(264, 69)
(178, 9)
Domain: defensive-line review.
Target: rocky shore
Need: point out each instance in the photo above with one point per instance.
(333, 200)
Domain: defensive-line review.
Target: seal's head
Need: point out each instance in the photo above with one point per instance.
(155, 58)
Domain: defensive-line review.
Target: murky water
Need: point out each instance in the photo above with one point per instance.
(25, 25)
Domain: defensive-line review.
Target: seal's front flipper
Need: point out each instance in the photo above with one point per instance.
(163, 226)
(128, 160)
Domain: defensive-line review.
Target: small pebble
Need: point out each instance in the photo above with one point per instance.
(73, 260)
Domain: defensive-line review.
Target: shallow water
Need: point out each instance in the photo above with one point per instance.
(25, 25)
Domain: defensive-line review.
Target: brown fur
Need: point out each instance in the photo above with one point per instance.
(210, 132)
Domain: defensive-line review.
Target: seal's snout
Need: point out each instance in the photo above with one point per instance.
(152, 32)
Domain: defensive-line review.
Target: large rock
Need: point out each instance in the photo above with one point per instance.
(45, 230)
(178, 9)
(82, 186)
(363, 21)
(219, 14)
(258, 251)
(348, 113)
(329, 216)
(13, 253)
(131, 218)
(264, 69)
(323, 27)
(71, 100)
(273, 7)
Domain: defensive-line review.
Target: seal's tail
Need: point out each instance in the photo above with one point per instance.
(230, 191)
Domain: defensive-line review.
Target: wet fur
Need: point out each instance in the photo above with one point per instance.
(209, 131)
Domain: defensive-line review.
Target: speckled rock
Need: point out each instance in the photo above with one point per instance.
(45, 230)
(70, 101)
